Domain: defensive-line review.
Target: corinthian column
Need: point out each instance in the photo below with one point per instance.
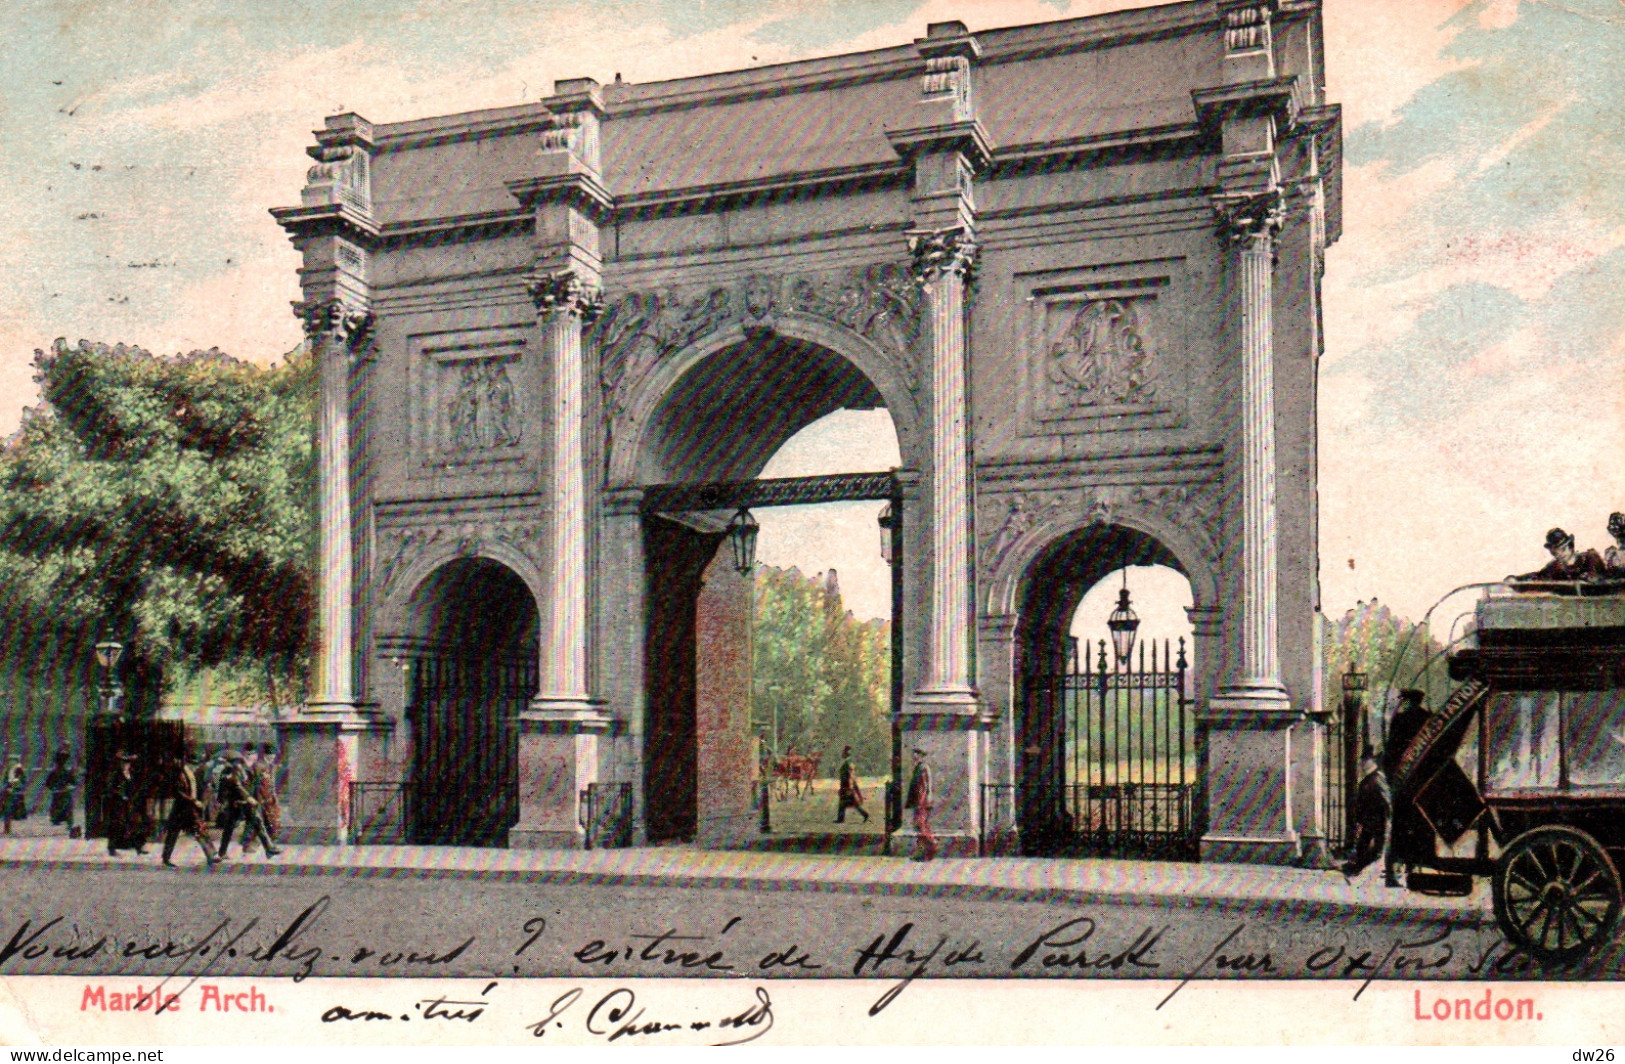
(943, 260)
(336, 329)
(565, 301)
(1249, 223)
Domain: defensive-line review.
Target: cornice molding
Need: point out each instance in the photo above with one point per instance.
(328, 219)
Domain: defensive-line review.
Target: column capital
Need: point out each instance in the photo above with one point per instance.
(564, 291)
(939, 252)
(1249, 217)
(343, 319)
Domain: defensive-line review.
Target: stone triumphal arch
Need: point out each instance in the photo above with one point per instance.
(1079, 265)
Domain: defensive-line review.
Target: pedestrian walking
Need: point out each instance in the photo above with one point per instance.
(186, 809)
(250, 762)
(14, 795)
(1373, 809)
(920, 798)
(60, 783)
(850, 795)
(127, 827)
(240, 807)
(270, 805)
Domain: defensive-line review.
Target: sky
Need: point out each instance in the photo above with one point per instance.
(1472, 392)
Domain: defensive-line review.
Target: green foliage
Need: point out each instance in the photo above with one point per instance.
(167, 502)
(826, 673)
(1392, 652)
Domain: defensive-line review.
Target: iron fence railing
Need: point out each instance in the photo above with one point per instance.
(1112, 759)
(379, 814)
(606, 810)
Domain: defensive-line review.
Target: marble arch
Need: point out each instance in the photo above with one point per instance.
(1104, 309)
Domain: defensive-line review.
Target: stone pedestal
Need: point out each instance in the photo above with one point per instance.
(956, 750)
(558, 758)
(323, 755)
(1251, 766)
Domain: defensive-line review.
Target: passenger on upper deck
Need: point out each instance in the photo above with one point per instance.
(1615, 558)
(1567, 563)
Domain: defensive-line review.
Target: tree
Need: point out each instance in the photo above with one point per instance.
(1392, 652)
(826, 673)
(166, 502)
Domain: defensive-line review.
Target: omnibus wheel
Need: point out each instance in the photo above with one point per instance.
(1557, 894)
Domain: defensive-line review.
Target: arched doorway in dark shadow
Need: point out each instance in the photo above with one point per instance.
(719, 425)
(1109, 752)
(473, 669)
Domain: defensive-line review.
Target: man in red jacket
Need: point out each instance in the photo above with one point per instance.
(920, 799)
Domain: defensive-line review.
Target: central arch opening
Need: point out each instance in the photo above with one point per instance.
(738, 667)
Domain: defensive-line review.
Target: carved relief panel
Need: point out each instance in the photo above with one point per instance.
(1105, 350)
(639, 329)
(470, 402)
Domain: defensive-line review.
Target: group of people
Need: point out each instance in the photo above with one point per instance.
(59, 783)
(1570, 564)
(231, 788)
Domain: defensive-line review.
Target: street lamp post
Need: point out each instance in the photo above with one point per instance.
(108, 653)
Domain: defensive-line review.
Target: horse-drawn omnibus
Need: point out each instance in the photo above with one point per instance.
(1520, 775)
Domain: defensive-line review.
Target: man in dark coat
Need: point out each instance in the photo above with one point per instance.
(60, 783)
(185, 809)
(1408, 835)
(240, 806)
(1567, 563)
(850, 794)
(1373, 806)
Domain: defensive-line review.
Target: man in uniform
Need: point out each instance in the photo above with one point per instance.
(185, 809)
(1407, 722)
(920, 798)
(241, 806)
(851, 795)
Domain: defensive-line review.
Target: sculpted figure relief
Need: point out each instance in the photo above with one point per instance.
(1101, 358)
(482, 412)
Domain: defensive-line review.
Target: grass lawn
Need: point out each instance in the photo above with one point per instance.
(814, 814)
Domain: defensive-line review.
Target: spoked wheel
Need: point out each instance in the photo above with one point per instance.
(1557, 894)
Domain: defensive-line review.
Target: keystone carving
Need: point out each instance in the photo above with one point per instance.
(1192, 507)
(640, 329)
(399, 547)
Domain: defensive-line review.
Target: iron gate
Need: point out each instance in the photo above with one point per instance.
(465, 714)
(1117, 771)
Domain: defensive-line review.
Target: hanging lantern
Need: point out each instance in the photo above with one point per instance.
(1123, 624)
(742, 532)
(885, 520)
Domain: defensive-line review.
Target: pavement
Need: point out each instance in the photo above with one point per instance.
(995, 878)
